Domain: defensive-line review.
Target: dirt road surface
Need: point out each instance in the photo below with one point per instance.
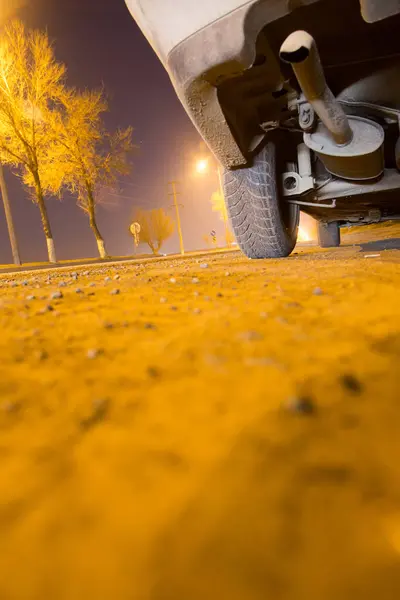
(211, 428)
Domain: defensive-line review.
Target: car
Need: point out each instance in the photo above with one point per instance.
(299, 100)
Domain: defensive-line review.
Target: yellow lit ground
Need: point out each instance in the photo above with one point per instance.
(235, 437)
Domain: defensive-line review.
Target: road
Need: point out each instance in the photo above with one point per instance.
(209, 428)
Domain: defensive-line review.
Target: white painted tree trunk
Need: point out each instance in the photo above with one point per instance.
(51, 251)
(101, 248)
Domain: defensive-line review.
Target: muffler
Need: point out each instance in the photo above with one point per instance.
(350, 147)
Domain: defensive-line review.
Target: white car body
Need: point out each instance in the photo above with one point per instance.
(165, 23)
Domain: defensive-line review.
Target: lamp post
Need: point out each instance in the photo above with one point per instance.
(202, 166)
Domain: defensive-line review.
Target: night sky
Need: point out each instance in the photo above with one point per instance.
(101, 46)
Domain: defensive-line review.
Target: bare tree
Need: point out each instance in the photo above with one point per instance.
(89, 157)
(31, 82)
(155, 227)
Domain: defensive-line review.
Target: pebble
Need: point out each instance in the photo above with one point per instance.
(301, 404)
(195, 280)
(100, 408)
(116, 277)
(227, 273)
(163, 300)
(62, 284)
(93, 353)
(57, 296)
(78, 291)
(114, 292)
(92, 284)
(74, 275)
(351, 383)
(31, 298)
(172, 280)
(10, 406)
(153, 372)
(174, 308)
(42, 355)
(107, 278)
(149, 326)
(318, 291)
(203, 265)
(46, 309)
(250, 336)
(371, 255)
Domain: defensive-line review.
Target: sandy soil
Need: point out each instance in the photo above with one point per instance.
(218, 429)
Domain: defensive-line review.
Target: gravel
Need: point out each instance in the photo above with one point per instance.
(301, 404)
(56, 296)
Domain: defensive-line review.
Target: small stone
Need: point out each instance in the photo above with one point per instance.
(92, 284)
(175, 308)
(11, 406)
(93, 353)
(351, 383)
(250, 336)
(107, 278)
(100, 409)
(56, 296)
(219, 295)
(62, 284)
(318, 291)
(74, 275)
(24, 282)
(42, 355)
(301, 404)
(203, 265)
(163, 300)
(78, 291)
(153, 372)
(149, 326)
(46, 309)
(227, 273)
(172, 280)
(14, 284)
(108, 325)
(195, 280)
(116, 277)
(85, 273)
(29, 298)
(114, 292)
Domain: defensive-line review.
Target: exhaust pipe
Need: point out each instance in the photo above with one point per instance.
(300, 50)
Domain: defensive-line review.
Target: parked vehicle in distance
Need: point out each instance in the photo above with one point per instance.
(299, 100)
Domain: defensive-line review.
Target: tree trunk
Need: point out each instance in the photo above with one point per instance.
(45, 219)
(93, 224)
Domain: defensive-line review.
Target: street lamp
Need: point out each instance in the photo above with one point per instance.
(202, 166)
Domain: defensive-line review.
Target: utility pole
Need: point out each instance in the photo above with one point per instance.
(9, 219)
(178, 218)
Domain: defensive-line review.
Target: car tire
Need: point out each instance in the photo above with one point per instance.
(328, 234)
(264, 225)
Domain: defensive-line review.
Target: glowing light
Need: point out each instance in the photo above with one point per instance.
(202, 165)
(303, 236)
